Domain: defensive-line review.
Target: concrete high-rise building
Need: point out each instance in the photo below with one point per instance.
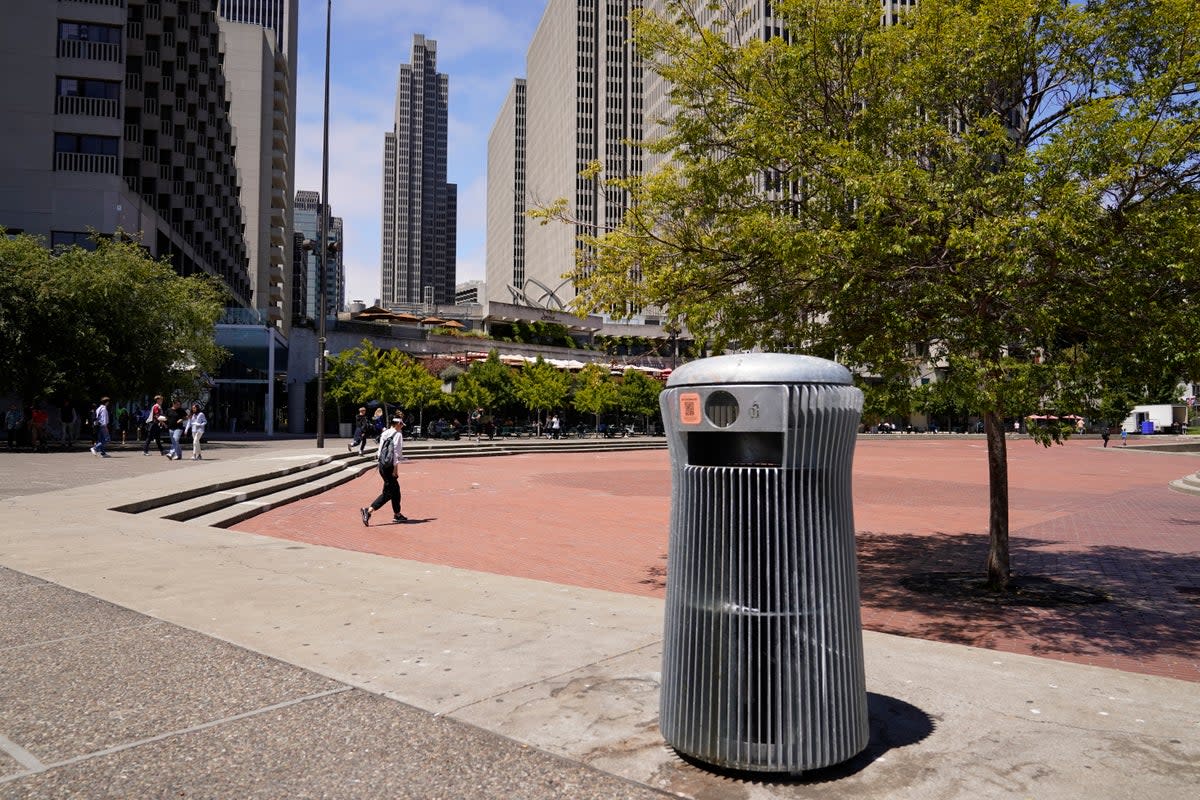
(260, 68)
(306, 219)
(743, 21)
(583, 104)
(506, 199)
(420, 209)
(118, 121)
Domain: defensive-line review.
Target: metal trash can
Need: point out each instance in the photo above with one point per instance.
(762, 652)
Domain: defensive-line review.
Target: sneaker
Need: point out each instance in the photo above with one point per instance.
(399, 518)
(350, 446)
(366, 515)
(145, 452)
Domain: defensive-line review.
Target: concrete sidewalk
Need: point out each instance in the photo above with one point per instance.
(143, 658)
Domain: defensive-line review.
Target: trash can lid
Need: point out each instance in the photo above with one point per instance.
(760, 368)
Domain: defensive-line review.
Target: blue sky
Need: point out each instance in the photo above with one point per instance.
(480, 46)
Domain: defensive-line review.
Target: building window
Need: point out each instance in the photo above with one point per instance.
(63, 239)
(87, 97)
(88, 40)
(85, 152)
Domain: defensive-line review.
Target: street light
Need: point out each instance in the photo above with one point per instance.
(323, 239)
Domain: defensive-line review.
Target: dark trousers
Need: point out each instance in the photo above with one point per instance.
(154, 431)
(391, 491)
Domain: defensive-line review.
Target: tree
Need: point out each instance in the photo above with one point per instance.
(539, 386)
(366, 373)
(638, 394)
(419, 388)
(1007, 185)
(80, 322)
(595, 392)
(470, 393)
(497, 377)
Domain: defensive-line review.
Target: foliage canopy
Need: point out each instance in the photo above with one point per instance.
(1004, 190)
(81, 323)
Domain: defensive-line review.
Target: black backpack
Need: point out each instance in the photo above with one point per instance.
(386, 450)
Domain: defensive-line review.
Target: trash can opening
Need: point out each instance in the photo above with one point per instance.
(740, 449)
(721, 409)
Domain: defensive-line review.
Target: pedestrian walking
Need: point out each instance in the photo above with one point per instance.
(1104, 435)
(68, 422)
(477, 423)
(363, 430)
(103, 435)
(1124, 437)
(13, 421)
(154, 426)
(391, 449)
(38, 422)
(176, 418)
(555, 427)
(196, 424)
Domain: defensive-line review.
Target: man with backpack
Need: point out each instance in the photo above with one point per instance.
(391, 449)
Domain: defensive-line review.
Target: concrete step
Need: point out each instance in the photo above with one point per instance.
(238, 510)
(1188, 484)
(241, 484)
(224, 503)
(194, 507)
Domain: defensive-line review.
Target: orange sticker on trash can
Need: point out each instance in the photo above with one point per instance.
(689, 408)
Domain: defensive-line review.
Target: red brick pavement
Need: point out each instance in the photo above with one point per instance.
(1090, 516)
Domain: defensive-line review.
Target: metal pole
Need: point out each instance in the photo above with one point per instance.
(323, 241)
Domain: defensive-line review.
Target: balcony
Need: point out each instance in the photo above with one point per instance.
(133, 134)
(87, 106)
(85, 162)
(89, 51)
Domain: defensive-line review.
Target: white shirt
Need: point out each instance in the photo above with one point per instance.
(397, 448)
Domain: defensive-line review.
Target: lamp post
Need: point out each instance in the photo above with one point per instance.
(323, 242)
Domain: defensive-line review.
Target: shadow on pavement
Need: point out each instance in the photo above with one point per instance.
(893, 724)
(1153, 608)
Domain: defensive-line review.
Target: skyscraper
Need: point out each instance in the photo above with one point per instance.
(119, 122)
(307, 219)
(420, 209)
(583, 104)
(260, 66)
(506, 199)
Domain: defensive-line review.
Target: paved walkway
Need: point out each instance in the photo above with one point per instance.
(1095, 517)
(506, 643)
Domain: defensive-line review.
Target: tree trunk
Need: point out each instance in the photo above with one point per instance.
(997, 562)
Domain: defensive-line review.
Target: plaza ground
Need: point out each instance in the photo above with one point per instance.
(1101, 518)
(506, 643)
